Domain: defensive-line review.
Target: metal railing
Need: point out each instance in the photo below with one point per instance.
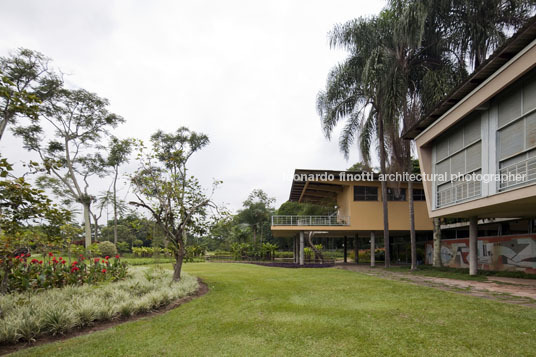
(519, 174)
(458, 192)
(310, 221)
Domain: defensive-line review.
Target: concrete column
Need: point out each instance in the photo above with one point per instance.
(473, 250)
(356, 249)
(295, 249)
(302, 246)
(372, 249)
(345, 249)
(437, 244)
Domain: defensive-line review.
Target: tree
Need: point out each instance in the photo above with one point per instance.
(79, 120)
(25, 82)
(163, 187)
(358, 90)
(257, 211)
(22, 206)
(119, 151)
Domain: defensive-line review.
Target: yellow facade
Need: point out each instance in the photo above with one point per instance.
(366, 216)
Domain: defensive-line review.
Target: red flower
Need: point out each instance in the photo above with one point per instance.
(22, 255)
(63, 262)
(40, 262)
(17, 257)
(117, 256)
(74, 263)
(73, 269)
(50, 254)
(103, 271)
(107, 257)
(35, 261)
(96, 260)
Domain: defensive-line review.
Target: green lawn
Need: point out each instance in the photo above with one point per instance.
(257, 311)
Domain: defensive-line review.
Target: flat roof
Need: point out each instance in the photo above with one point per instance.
(523, 37)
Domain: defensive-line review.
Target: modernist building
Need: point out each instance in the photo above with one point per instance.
(486, 127)
(357, 209)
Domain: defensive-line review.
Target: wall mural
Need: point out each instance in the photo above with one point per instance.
(494, 253)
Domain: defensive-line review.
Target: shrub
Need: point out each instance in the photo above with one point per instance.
(107, 249)
(28, 315)
(150, 251)
(53, 272)
(137, 243)
(123, 247)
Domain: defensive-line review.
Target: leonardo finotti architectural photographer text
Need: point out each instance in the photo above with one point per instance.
(406, 176)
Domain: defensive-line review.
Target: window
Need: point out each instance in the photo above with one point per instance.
(365, 193)
(396, 194)
(418, 194)
(458, 153)
(516, 136)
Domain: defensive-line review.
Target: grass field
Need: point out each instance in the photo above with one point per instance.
(255, 310)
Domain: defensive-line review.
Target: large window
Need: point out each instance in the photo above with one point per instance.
(365, 193)
(396, 194)
(516, 135)
(418, 194)
(458, 153)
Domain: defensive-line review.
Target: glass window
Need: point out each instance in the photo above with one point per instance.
(418, 194)
(365, 193)
(396, 194)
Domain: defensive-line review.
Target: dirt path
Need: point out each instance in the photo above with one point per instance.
(509, 290)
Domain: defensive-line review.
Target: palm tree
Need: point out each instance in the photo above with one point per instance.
(359, 91)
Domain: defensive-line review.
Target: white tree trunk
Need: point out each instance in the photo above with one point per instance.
(87, 224)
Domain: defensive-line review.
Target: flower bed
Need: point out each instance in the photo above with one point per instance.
(27, 315)
(27, 273)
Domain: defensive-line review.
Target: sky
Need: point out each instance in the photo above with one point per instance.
(246, 73)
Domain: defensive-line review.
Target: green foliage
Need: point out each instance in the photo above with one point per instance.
(107, 249)
(247, 251)
(123, 247)
(303, 209)
(150, 251)
(26, 316)
(27, 274)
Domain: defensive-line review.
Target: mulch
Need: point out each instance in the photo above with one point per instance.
(103, 325)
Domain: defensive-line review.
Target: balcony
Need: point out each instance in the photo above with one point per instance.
(310, 221)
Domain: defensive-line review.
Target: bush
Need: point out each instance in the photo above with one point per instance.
(137, 243)
(107, 249)
(123, 247)
(26, 316)
(150, 251)
(55, 272)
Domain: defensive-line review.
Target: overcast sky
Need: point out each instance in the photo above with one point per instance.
(246, 73)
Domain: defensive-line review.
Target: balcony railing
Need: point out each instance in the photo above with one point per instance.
(458, 192)
(519, 174)
(310, 221)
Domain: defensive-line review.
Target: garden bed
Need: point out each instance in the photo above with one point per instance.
(60, 313)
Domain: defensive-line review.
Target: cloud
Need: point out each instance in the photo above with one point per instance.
(245, 73)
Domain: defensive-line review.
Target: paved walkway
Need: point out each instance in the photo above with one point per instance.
(510, 290)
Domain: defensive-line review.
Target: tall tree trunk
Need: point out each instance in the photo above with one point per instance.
(384, 193)
(179, 258)
(115, 207)
(437, 243)
(413, 241)
(87, 224)
(254, 236)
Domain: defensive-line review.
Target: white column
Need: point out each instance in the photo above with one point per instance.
(302, 246)
(473, 252)
(372, 249)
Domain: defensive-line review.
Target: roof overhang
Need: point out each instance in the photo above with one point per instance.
(521, 39)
